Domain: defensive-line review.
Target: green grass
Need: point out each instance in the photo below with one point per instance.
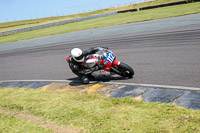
(95, 113)
(27, 23)
(118, 19)
(13, 124)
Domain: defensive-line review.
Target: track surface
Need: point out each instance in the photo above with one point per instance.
(166, 56)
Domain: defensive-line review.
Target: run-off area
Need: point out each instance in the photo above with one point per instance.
(180, 97)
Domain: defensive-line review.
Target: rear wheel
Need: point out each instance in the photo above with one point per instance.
(125, 70)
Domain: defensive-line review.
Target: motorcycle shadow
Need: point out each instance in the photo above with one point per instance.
(76, 81)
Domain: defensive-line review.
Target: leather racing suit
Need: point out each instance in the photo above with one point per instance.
(78, 68)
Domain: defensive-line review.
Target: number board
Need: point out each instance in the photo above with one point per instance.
(110, 57)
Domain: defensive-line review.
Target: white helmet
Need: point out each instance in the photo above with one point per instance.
(77, 54)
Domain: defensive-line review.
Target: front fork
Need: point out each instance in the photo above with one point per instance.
(115, 70)
(113, 67)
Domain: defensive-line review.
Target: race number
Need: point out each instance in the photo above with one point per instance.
(110, 57)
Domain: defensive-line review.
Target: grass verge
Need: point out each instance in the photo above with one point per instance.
(118, 19)
(13, 124)
(95, 113)
(27, 23)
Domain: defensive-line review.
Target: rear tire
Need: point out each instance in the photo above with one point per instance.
(126, 70)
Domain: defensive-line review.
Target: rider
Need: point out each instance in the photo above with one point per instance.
(76, 61)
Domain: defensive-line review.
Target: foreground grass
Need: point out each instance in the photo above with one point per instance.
(13, 124)
(27, 23)
(118, 19)
(95, 113)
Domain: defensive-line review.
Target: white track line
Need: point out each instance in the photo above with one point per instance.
(115, 83)
(157, 86)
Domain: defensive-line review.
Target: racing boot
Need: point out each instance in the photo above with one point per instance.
(85, 79)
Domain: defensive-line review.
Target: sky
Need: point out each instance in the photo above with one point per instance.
(14, 10)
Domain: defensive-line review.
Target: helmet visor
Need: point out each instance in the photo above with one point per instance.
(79, 58)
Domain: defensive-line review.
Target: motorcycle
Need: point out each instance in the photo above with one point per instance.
(112, 66)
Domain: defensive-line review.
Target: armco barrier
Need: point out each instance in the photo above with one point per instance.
(55, 23)
(157, 6)
(91, 17)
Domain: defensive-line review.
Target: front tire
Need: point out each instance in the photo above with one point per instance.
(125, 70)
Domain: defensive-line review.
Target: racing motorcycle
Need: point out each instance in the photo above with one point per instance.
(112, 66)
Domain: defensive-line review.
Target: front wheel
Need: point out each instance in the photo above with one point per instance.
(125, 70)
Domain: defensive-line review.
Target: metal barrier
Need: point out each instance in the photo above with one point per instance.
(91, 17)
(55, 23)
(157, 6)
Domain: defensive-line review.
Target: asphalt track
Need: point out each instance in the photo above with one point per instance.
(160, 55)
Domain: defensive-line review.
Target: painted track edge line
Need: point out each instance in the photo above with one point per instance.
(157, 86)
(114, 83)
